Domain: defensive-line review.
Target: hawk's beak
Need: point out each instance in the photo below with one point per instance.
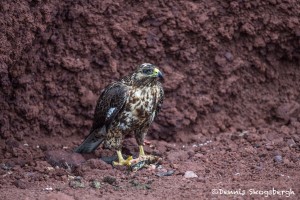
(158, 74)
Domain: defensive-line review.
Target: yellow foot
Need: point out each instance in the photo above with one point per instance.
(123, 162)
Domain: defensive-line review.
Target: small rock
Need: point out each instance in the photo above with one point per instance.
(228, 56)
(76, 184)
(50, 168)
(291, 143)
(220, 61)
(278, 158)
(5, 166)
(190, 174)
(134, 183)
(161, 169)
(269, 147)
(109, 179)
(71, 177)
(48, 189)
(140, 186)
(78, 178)
(167, 173)
(95, 184)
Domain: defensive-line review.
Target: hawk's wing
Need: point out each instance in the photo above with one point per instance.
(110, 103)
(160, 100)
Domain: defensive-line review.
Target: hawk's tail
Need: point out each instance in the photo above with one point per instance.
(93, 140)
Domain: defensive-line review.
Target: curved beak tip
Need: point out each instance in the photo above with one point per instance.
(160, 75)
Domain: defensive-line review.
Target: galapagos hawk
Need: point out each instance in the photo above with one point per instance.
(127, 106)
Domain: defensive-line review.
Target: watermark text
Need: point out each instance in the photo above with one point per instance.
(254, 192)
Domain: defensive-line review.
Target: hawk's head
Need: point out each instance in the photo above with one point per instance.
(147, 73)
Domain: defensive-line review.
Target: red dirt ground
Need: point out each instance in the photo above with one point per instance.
(231, 113)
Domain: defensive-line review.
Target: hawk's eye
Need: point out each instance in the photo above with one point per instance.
(148, 71)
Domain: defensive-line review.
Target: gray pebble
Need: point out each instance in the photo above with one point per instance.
(95, 184)
(278, 158)
(167, 173)
(190, 174)
(76, 184)
(228, 56)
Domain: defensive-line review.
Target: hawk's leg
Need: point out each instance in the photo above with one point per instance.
(142, 153)
(140, 137)
(115, 143)
(143, 160)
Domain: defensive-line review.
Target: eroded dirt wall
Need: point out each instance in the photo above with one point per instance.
(228, 65)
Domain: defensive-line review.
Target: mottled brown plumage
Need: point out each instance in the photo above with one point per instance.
(124, 107)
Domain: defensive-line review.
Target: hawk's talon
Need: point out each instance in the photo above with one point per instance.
(123, 162)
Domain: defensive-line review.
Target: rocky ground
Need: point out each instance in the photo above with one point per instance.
(231, 114)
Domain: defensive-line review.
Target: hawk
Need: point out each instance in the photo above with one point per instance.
(127, 106)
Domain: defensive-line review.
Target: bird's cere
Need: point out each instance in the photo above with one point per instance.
(156, 71)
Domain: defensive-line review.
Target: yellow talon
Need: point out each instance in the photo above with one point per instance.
(122, 161)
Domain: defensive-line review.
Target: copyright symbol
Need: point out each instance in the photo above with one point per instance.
(214, 191)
